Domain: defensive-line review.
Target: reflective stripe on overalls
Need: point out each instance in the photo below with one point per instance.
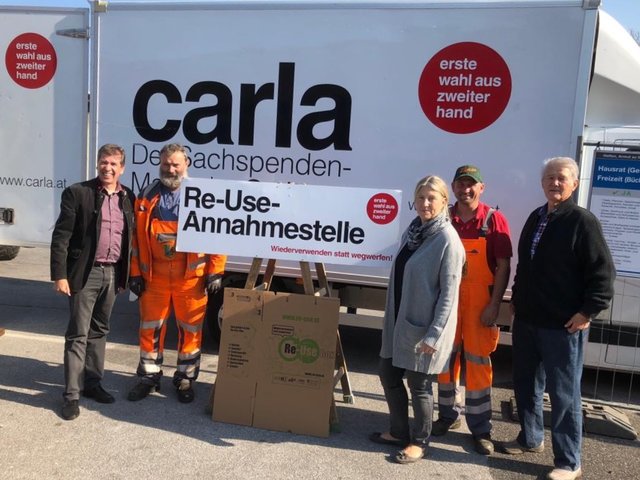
(167, 287)
(473, 339)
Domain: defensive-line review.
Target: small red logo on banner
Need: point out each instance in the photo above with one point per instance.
(382, 208)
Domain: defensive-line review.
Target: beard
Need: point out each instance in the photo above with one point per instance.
(172, 182)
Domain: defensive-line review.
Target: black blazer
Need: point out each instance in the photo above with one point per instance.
(77, 230)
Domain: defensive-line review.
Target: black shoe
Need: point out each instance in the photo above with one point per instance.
(70, 410)
(377, 437)
(515, 448)
(142, 390)
(99, 394)
(443, 425)
(483, 444)
(185, 391)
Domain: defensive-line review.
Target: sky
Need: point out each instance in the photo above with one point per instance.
(627, 12)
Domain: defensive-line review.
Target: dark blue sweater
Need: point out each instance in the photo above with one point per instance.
(572, 270)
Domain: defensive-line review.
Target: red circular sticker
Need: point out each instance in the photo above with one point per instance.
(382, 208)
(465, 87)
(31, 60)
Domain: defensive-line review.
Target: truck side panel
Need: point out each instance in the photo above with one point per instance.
(352, 95)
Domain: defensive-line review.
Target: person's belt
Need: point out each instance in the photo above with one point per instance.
(104, 264)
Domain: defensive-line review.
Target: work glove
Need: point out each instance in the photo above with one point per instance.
(136, 285)
(212, 283)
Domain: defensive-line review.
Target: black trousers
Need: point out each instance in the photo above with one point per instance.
(86, 336)
(421, 388)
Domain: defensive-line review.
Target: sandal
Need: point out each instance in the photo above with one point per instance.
(376, 437)
(402, 457)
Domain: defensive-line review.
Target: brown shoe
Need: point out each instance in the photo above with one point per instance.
(483, 444)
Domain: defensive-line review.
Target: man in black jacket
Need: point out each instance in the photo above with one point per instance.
(90, 255)
(564, 278)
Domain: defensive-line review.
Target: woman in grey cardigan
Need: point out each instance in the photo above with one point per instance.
(420, 319)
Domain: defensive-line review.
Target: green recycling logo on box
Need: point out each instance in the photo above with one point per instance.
(306, 350)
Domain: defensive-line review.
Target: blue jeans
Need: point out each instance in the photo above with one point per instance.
(420, 385)
(552, 357)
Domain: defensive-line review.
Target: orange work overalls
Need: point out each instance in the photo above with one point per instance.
(168, 286)
(473, 341)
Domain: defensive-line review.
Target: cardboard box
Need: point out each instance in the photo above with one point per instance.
(276, 361)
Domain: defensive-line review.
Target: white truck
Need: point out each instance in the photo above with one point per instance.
(357, 93)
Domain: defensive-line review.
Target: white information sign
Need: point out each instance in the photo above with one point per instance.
(339, 225)
(615, 200)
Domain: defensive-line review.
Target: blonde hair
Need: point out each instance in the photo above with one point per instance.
(436, 184)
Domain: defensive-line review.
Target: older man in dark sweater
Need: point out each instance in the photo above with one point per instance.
(564, 278)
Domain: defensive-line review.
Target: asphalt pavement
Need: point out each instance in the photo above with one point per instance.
(161, 438)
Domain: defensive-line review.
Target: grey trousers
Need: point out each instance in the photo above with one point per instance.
(420, 385)
(86, 336)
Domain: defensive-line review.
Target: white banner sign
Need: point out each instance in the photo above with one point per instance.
(349, 226)
(615, 200)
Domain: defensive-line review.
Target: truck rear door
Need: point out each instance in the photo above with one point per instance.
(43, 117)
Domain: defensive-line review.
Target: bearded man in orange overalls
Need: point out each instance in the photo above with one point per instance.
(163, 277)
(484, 232)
